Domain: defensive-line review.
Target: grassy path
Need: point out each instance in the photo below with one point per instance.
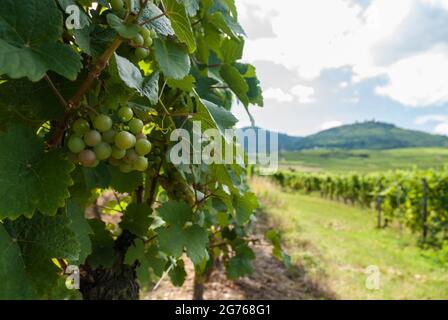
(335, 244)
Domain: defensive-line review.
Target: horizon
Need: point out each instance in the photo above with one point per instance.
(388, 61)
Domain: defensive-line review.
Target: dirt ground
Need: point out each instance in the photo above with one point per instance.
(271, 280)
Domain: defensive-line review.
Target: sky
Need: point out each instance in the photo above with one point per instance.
(325, 63)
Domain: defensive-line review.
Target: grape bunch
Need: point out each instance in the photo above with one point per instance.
(122, 144)
(143, 40)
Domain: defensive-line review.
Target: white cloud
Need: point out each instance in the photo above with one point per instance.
(277, 94)
(441, 128)
(431, 118)
(343, 84)
(304, 94)
(420, 80)
(330, 124)
(310, 36)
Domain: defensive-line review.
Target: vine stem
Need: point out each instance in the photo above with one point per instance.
(56, 91)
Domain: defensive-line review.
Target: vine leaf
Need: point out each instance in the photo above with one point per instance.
(180, 23)
(176, 236)
(13, 277)
(136, 219)
(236, 82)
(132, 77)
(161, 25)
(125, 182)
(81, 228)
(27, 51)
(30, 178)
(40, 239)
(178, 274)
(126, 31)
(244, 207)
(172, 58)
(240, 265)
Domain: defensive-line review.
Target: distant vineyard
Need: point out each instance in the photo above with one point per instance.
(416, 199)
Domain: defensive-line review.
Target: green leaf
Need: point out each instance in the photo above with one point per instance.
(103, 253)
(231, 50)
(213, 116)
(240, 265)
(15, 282)
(30, 178)
(172, 58)
(178, 274)
(27, 51)
(132, 77)
(125, 182)
(175, 237)
(124, 30)
(274, 237)
(81, 228)
(180, 23)
(192, 6)
(245, 207)
(137, 219)
(226, 24)
(152, 17)
(236, 82)
(186, 84)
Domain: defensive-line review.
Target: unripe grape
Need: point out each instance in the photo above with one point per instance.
(87, 158)
(126, 168)
(124, 140)
(141, 53)
(102, 123)
(118, 153)
(131, 156)
(81, 126)
(138, 40)
(145, 32)
(125, 114)
(117, 5)
(109, 136)
(141, 135)
(143, 147)
(75, 144)
(92, 138)
(141, 164)
(148, 42)
(135, 125)
(102, 150)
(153, 33)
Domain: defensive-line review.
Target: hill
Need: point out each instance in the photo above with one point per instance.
(365, 135)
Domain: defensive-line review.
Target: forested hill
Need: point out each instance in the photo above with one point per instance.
(365, 135)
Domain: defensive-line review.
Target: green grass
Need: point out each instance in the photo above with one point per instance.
(336, 243)
(364, 160)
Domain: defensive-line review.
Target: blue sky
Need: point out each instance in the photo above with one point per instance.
(323, 63)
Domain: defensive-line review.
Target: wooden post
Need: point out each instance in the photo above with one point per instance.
(425, 209)
(379, 202)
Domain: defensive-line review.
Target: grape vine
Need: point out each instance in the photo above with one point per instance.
(86, 117)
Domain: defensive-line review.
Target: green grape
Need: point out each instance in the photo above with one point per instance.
(117, 5)
(141, 164)
(75, 144)
(135, 125)
(148, 42)
(141, 53)
(102, 151)
(143, 147)
(92, 138)
(153, 33)
(109, 136)
(141, 135)
(118, 153)
(81, 126)
(124, 140)
(87, 158)
(131, 156)
(138, 40)
(102, 123)
(145, 32)
(125, 114)
(126, 168)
